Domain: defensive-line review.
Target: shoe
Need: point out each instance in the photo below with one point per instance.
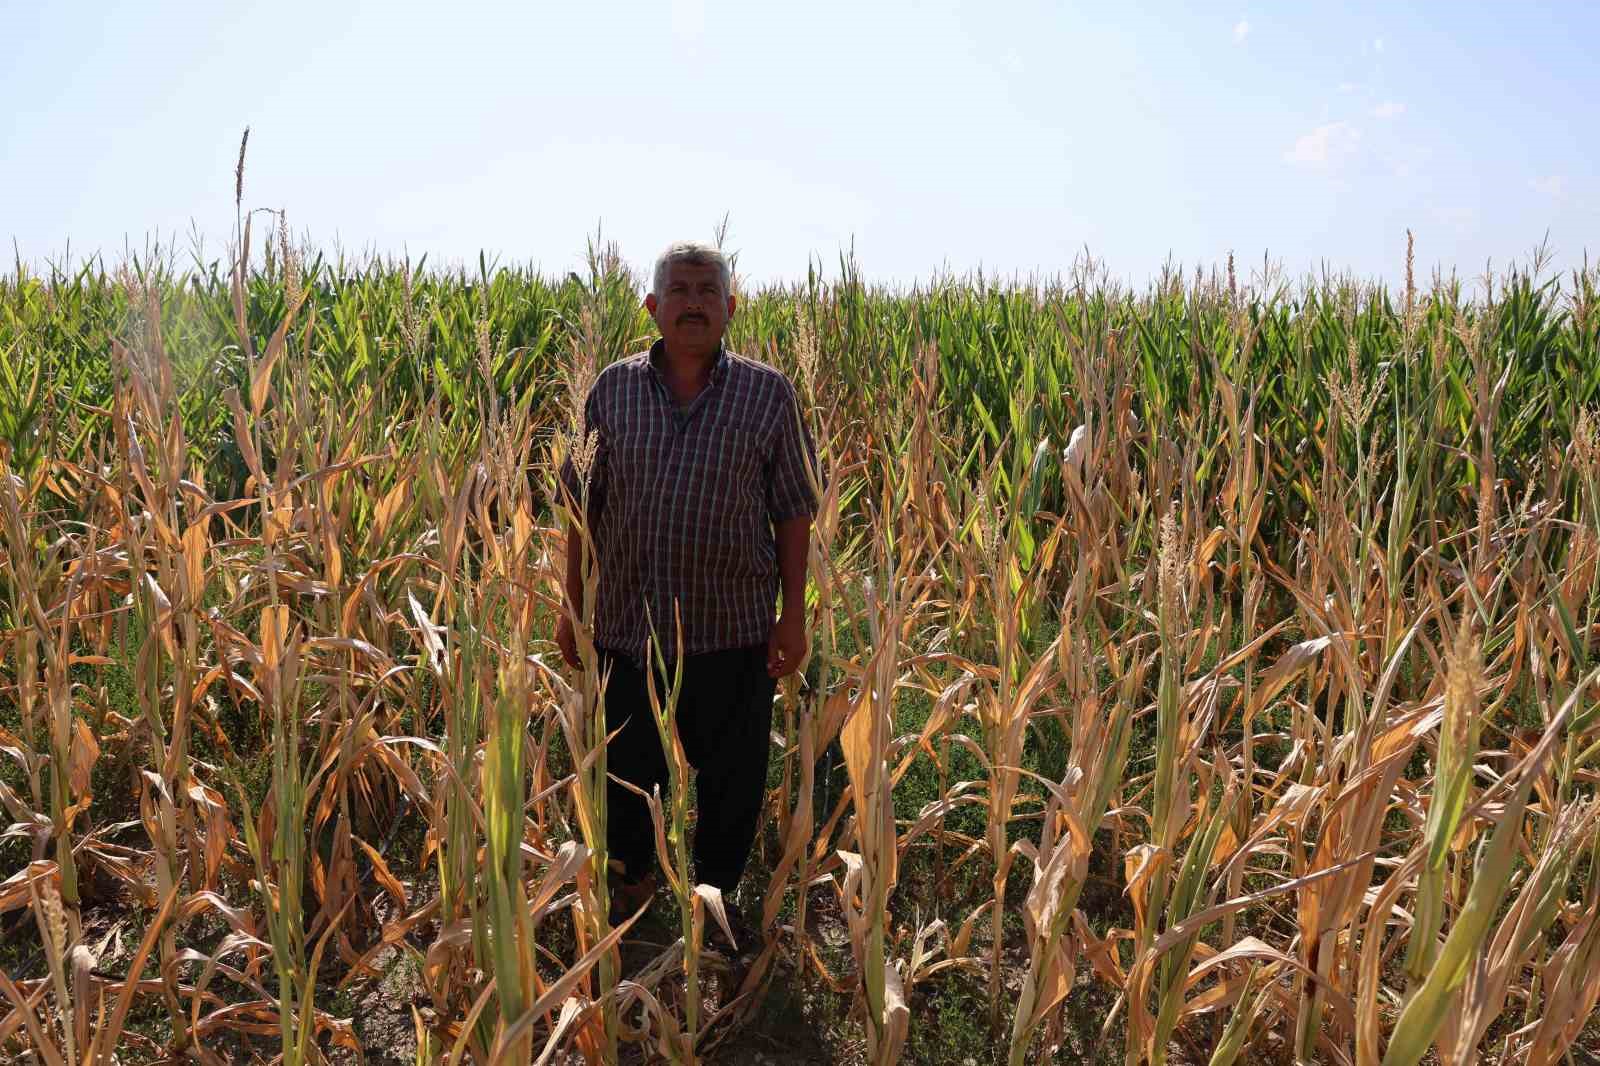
(747, 936)
(628, 896)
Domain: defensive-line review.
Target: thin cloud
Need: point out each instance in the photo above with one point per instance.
(1407, 160)
(1552, 185)
(1241, 30)
(1389, 109)
(688, 19)
(1324, 145)
(1377, 45)
(1459, 217)
(1349, 86)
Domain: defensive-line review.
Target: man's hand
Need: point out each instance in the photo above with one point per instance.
(567, 641)
(786, 646)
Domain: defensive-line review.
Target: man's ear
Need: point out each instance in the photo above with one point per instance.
(733, 303)
(650, 303)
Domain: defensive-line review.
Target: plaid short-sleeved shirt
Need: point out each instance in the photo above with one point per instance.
(682, 502)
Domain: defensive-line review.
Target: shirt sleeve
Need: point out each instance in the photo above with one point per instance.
(794, 476)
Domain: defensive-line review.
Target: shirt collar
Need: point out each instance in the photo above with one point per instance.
(719, 363)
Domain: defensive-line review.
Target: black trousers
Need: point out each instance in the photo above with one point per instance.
(725, 726)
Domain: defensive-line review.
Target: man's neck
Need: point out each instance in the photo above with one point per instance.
(688, 365)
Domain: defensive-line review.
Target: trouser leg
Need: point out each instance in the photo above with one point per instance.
(634, 755)
(725, 726)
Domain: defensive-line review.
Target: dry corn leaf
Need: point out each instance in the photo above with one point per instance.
(274, 632)
(196, 544)
(81, 759)
(1284, 670)
(380, 870)
(1139, 864)
(17, 890)
(855, 740)
(432, 643)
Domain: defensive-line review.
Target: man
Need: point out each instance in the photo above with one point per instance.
(699, 502)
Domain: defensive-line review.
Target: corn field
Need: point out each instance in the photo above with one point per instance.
(1200, 674)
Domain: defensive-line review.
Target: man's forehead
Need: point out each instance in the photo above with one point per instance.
(692, 272)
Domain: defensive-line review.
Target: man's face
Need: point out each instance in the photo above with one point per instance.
(691, 310)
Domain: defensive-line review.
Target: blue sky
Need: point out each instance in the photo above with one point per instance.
(935, 136)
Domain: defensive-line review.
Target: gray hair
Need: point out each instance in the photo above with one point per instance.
(695, 253)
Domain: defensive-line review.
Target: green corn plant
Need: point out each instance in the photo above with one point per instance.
(583, 726)
(1074, 811)
(152, 539)
(1424, 1013)
(582, 712)
(808, 728)
(280, 858)
(1571, 979)
(1186, 900)
(1006, 709)
(1458, 749)
(23, 425)
(1252, 1002)
(454, 814)
(1149, 863)
(506, 903)
(871, 870)
(1513, 950)
(33, 634)
(672, 845)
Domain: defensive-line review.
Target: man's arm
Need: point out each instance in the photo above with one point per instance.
(794, 546)
(787, 647)
(574, 569)
(792, 479)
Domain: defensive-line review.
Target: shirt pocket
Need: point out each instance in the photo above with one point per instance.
(634, 453)
(734, 460)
